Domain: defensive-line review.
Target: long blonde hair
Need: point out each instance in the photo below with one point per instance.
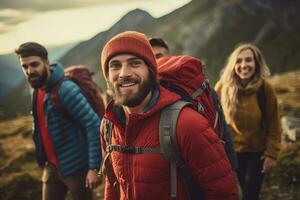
(230, 81)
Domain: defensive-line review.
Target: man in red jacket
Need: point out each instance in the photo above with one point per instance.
(130, 69)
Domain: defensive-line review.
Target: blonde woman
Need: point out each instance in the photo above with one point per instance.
(256, 131)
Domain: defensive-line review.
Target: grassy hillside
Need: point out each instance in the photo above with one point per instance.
(19, 172)
(284, 182)
(20, 176)
(287, 87)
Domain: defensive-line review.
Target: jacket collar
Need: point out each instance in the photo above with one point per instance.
(252, 86)
(57, 73)
(161, 98)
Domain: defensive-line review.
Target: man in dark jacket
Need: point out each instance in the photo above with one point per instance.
(130, 69)
(67, 145)
(160, 47)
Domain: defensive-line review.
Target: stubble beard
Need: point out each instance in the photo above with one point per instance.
(129, 99)
(40, 81)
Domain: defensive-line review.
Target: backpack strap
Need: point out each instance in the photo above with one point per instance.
(108, 127)
(170, 148)
(54, 97)
(261, 100)
(200, 89)
(131, 149)
(198, 92)
(225, 132)
(219, 111)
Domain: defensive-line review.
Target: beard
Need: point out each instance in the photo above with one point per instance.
(130, 99)
(37, 80)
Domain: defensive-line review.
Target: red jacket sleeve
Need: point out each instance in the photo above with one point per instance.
(205, 156)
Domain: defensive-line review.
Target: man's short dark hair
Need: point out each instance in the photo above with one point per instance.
(158, 42)
(32, 49)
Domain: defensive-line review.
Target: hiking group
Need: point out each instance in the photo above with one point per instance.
(163, 135)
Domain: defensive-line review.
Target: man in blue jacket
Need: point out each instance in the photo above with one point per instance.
(67, 146)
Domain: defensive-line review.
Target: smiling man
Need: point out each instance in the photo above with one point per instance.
(67, 145)
(130, 70)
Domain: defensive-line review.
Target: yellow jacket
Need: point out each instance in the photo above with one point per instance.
(247, 132)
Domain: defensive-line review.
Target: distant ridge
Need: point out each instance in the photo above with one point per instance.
(207, 29)
(88, 52)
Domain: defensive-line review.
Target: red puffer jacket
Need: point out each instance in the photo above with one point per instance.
(147, 176)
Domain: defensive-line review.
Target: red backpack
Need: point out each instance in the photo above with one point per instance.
(82, 76)
(184, 75)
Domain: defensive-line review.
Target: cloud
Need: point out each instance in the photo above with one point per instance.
(9, 18)
(47, 5)
(14, 12)
(9, 13)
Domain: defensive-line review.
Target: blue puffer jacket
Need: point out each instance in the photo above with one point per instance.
(76, 140)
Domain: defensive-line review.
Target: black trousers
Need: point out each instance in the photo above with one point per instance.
(249, 174)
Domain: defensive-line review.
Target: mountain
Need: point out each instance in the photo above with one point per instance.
(209, 30)
(88, 52)
(9, 68)
(206, 29)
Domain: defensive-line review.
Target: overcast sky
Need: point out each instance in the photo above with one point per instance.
(53, 22)
(46, 5)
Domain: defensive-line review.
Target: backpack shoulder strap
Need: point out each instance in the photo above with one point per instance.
(170, 148)
(54, 97)
(167, 130)
(108, 128)
(218, 108)
(261, 100)
(225, 132)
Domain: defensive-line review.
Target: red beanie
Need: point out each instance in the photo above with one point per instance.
(128, 42)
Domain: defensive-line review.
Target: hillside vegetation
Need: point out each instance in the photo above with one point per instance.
(19, 172)
(287, 88)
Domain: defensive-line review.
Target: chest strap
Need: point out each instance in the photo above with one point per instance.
(130, 149)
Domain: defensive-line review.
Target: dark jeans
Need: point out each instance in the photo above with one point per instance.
(249, 174)
(55, 187)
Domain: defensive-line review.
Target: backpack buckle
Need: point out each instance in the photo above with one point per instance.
(200, 108)
(109, 149)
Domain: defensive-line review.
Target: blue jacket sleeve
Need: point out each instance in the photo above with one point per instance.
(76, 105)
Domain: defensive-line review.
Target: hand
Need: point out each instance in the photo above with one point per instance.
(92, 179)
(268, 165)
